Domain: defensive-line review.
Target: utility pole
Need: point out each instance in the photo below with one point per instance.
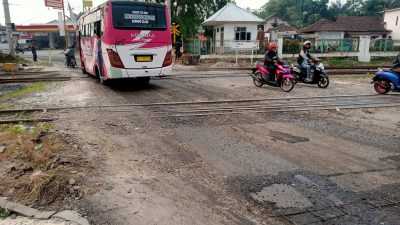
(65, 26)
(168, 2)
(8, 27)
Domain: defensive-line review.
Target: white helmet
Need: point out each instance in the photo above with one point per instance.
(307, 43)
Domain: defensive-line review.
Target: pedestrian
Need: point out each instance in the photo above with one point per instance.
(34, 52)
(178, 46)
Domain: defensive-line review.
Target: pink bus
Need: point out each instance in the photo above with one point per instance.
(126, 39)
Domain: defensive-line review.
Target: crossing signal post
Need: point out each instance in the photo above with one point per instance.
(175, 29)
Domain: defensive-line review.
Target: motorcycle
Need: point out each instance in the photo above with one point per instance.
(319, 75)
(70, 60)
(385, 81)
(284, 77)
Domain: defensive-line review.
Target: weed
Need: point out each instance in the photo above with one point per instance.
(16, 129)
(4, 213)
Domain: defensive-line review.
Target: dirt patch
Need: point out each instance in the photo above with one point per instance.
(38, 167)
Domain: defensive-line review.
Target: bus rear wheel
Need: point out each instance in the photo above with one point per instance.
(143, 80)
(100, 77)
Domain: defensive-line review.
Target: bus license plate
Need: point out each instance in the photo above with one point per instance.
(144, 58)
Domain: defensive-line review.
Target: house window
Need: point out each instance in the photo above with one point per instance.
(241, 34)
(397, 21)
(217, 29)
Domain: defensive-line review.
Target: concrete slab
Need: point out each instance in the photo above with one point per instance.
(283, 195)
(72, 216)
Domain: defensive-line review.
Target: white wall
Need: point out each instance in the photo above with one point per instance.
(229, 32)
(390, 19)
(330, 35)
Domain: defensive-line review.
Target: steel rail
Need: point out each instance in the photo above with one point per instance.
(45, 109)
(304, 109)
(249, 108)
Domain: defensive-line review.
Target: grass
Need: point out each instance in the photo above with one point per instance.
(350, 62)
(29, 89)
(9, 59)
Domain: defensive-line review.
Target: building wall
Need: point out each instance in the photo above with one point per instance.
(330, 35)
(268, 24)
(229, 32)
(392, 20)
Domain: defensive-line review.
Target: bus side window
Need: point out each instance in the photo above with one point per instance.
(90, 30)
(97, 29)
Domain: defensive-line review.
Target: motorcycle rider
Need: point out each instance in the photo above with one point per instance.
(70, 55)
(270, 59)
(304, 60)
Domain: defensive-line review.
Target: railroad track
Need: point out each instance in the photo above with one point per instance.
(273, 105)
(47, 76)
(229, 107)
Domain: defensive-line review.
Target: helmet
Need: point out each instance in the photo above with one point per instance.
(272, 46)
(307, 43)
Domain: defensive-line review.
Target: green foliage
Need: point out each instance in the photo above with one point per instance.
(301, 13)
(189, 14)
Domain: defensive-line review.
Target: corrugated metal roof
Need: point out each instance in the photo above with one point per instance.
(232, 13)
(348, 24)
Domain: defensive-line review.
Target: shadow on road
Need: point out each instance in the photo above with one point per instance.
(132, 85)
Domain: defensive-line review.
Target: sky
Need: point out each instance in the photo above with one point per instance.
(34, 11)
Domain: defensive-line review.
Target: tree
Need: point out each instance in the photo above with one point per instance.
(189, 14)
(376, 7)
(297, 12)
(301, 13)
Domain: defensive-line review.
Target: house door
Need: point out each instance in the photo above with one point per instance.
(221, 40)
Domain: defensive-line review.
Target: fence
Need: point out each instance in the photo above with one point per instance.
(225, 47)
(293, 46)
(384, 45)
(363, 48)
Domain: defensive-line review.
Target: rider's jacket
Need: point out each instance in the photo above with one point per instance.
(270, 57)
(396, 62)
(304, 56)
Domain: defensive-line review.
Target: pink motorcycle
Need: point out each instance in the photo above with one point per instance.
(284, 77)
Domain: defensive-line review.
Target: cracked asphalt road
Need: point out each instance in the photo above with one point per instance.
(206, 170)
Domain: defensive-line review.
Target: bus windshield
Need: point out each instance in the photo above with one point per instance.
(140, 16)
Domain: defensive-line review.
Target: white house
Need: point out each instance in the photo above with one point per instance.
(233, 26)
(392, 22)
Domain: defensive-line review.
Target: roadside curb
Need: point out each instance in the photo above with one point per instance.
(67, 215)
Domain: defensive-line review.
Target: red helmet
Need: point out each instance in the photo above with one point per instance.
(272, 46)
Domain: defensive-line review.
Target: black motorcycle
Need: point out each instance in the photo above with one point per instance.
(318, 72)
